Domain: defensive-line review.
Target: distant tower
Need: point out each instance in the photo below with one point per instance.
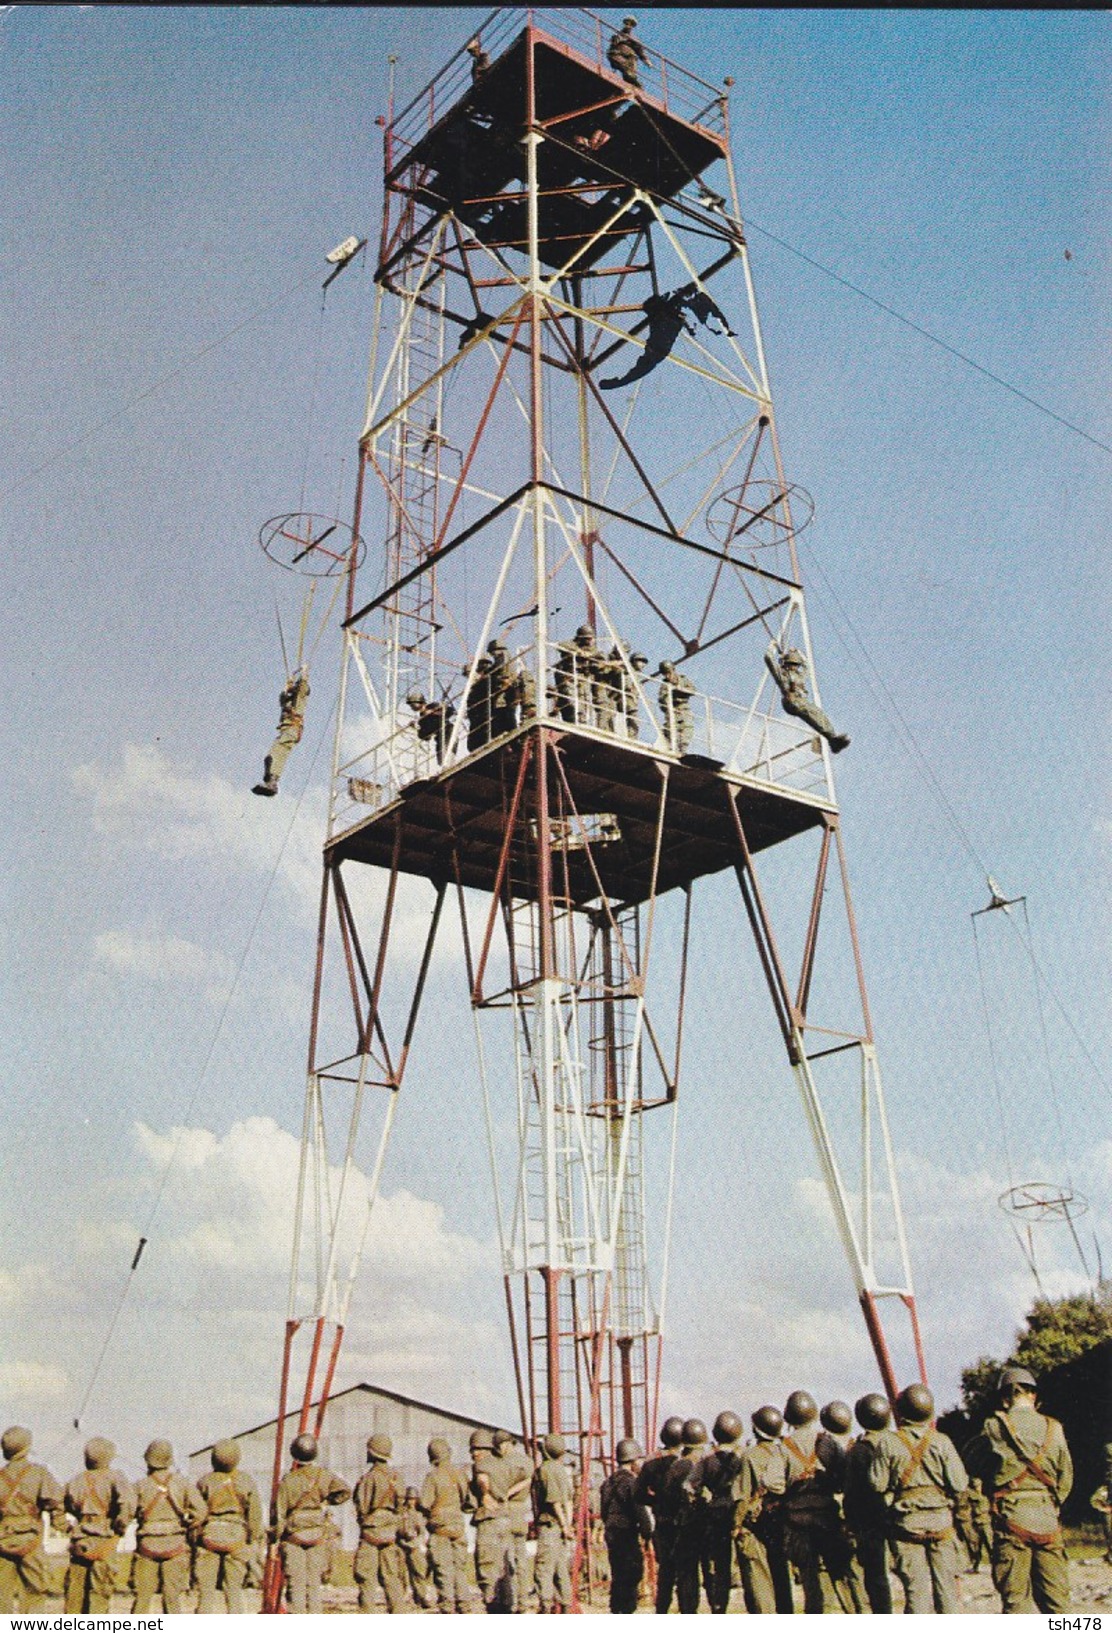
(570, 429)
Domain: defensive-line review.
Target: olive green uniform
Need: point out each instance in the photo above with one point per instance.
(762, 1479)
(493, 1545)
(167, 1508)
(519, 1509)
(413, 1546)
(1025, 1463)
(231, 1532)
(920, 1475)
(814, 1540)
(445, 1497)
(378, 1499)
(653, 1492)
(291, 724)
(552, 1489)
(624, 53)
(674, 697)
(101, 1506)
(866, 1519)
(973, 1516)
(27, 1492)
(300, 1522)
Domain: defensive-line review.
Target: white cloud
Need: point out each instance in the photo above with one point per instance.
(165, 960)
(30, 1382)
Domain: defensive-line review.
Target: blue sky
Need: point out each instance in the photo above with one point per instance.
(174, 177)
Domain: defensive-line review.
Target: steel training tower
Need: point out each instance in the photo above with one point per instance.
(569, 474)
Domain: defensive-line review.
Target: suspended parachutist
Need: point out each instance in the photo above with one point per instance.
(700, 305)
(666, 322)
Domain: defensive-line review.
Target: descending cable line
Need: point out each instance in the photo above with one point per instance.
(160, 1191)
(992, 1056)
(936, 340)
(1030, 950)
(311, 416)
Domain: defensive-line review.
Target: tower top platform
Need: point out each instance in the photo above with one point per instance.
(459, 145)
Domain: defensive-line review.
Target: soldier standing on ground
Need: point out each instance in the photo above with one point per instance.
(715, 1498)
(493, 1545)
(624, 52)
(231, 1531)
(690, 1528)
(168, 1510)
(291, 724)
(553, 1497)
(674, 696)
(412, 1541)
(837, 1423)
(445, 1497)
(625, 1522)
(300, 1524)
(652, 1484)
(790, 675)
(918, 1471)
(27, 1492)
(762, 1480)
(974, 1521)
(101, 1506)
(1022, 1456)
(378, 1502)
(813, 1538)
(519, 1508)
(865, 1510)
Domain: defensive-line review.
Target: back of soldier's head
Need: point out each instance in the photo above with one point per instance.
(800, 1408)
(694, 1433)
(481, 1440)
(159, 1454)
(554, 1446)
(15, 1441)
(439, 1450)
(768, 1422)
(671, 1432)
(1016, 1383)
(98, 1452)
(873, 1411)
(627, 1451)
(915, 1404)
(379, 1448)
(225, 1455)
(728, 1427)
(503, 1440)
(836, 1418)
(411, 1494)
(303, 1448)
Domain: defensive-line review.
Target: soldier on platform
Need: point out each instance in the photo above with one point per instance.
(101, 1505)
(1022, 1456)
(606, 687)
(230, 1533)
(434, 720)
(519, 1509)
(920, 1475)
(625, 1523)
(865, 1511)
(813, 1538)
(27, 1492)
(553, 1504)
(477, 706)
(168, 1511)
(300, 1522)
(490, 1517)
(674, 697)
(480, 60)
(652, 1493)
(762, 1480)
(413, 1543)
(378, 1499)
(291, 724)
(789, 671)
(445, 1498)
(629, 695)
(504, 689)
(624, 52)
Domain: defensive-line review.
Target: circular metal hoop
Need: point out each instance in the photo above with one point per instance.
(1037, 1201)
(756, 514)
(318, 546)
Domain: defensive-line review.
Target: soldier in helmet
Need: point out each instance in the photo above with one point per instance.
(836, 1419)
(624, 52)
(413, 1545)
(300, 1523)
(628, 694)
(27, 1492)
(477, 706)
(813, 1538)
(490, 1517)
(674, 697)
(1022, 1456)
(505, 688)
(168, 1511)
(761, 1482)
(713, 1488)
(378, 1499)
(789, 671)
(920, 1475)
(101, 1505)
(625, 1523)
(553, 1504)
(434, 721)
(585, 658)
(865, 1510)
(230, 1532)
(291, 724)
(652, 1485)
(606, 687)
(689, 1518)
(480, 60)
(518, 1476)
(445, 1498)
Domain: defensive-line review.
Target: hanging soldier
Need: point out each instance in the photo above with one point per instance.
(789, 671)
(291, 724)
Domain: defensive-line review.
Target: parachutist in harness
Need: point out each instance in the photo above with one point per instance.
(291, 723)
(667, 315)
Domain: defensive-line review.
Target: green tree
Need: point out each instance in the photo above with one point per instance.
(1055, 1330)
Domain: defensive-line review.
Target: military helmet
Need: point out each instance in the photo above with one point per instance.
(554, 1445)
(159, 1454)
(873, 1411)
(98, 1452)
(1016, 1378)
(481, 1440)
(694, 1432)
(727, 1427)
(627, 1451)
(915, 1404)
(474, 47)
(671, 1432)
(793, 659)
(15, 1440)
(225, 1454)
(629, 22)
(800, 1408)
(416, 700)
(638, 660)
(502, 1437)
(411, 1491)
(304, 1448)
(584, 634)
(497, 645)
(836, 1418)
(379, 1448)
(768, 1422)
(439, 1450)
